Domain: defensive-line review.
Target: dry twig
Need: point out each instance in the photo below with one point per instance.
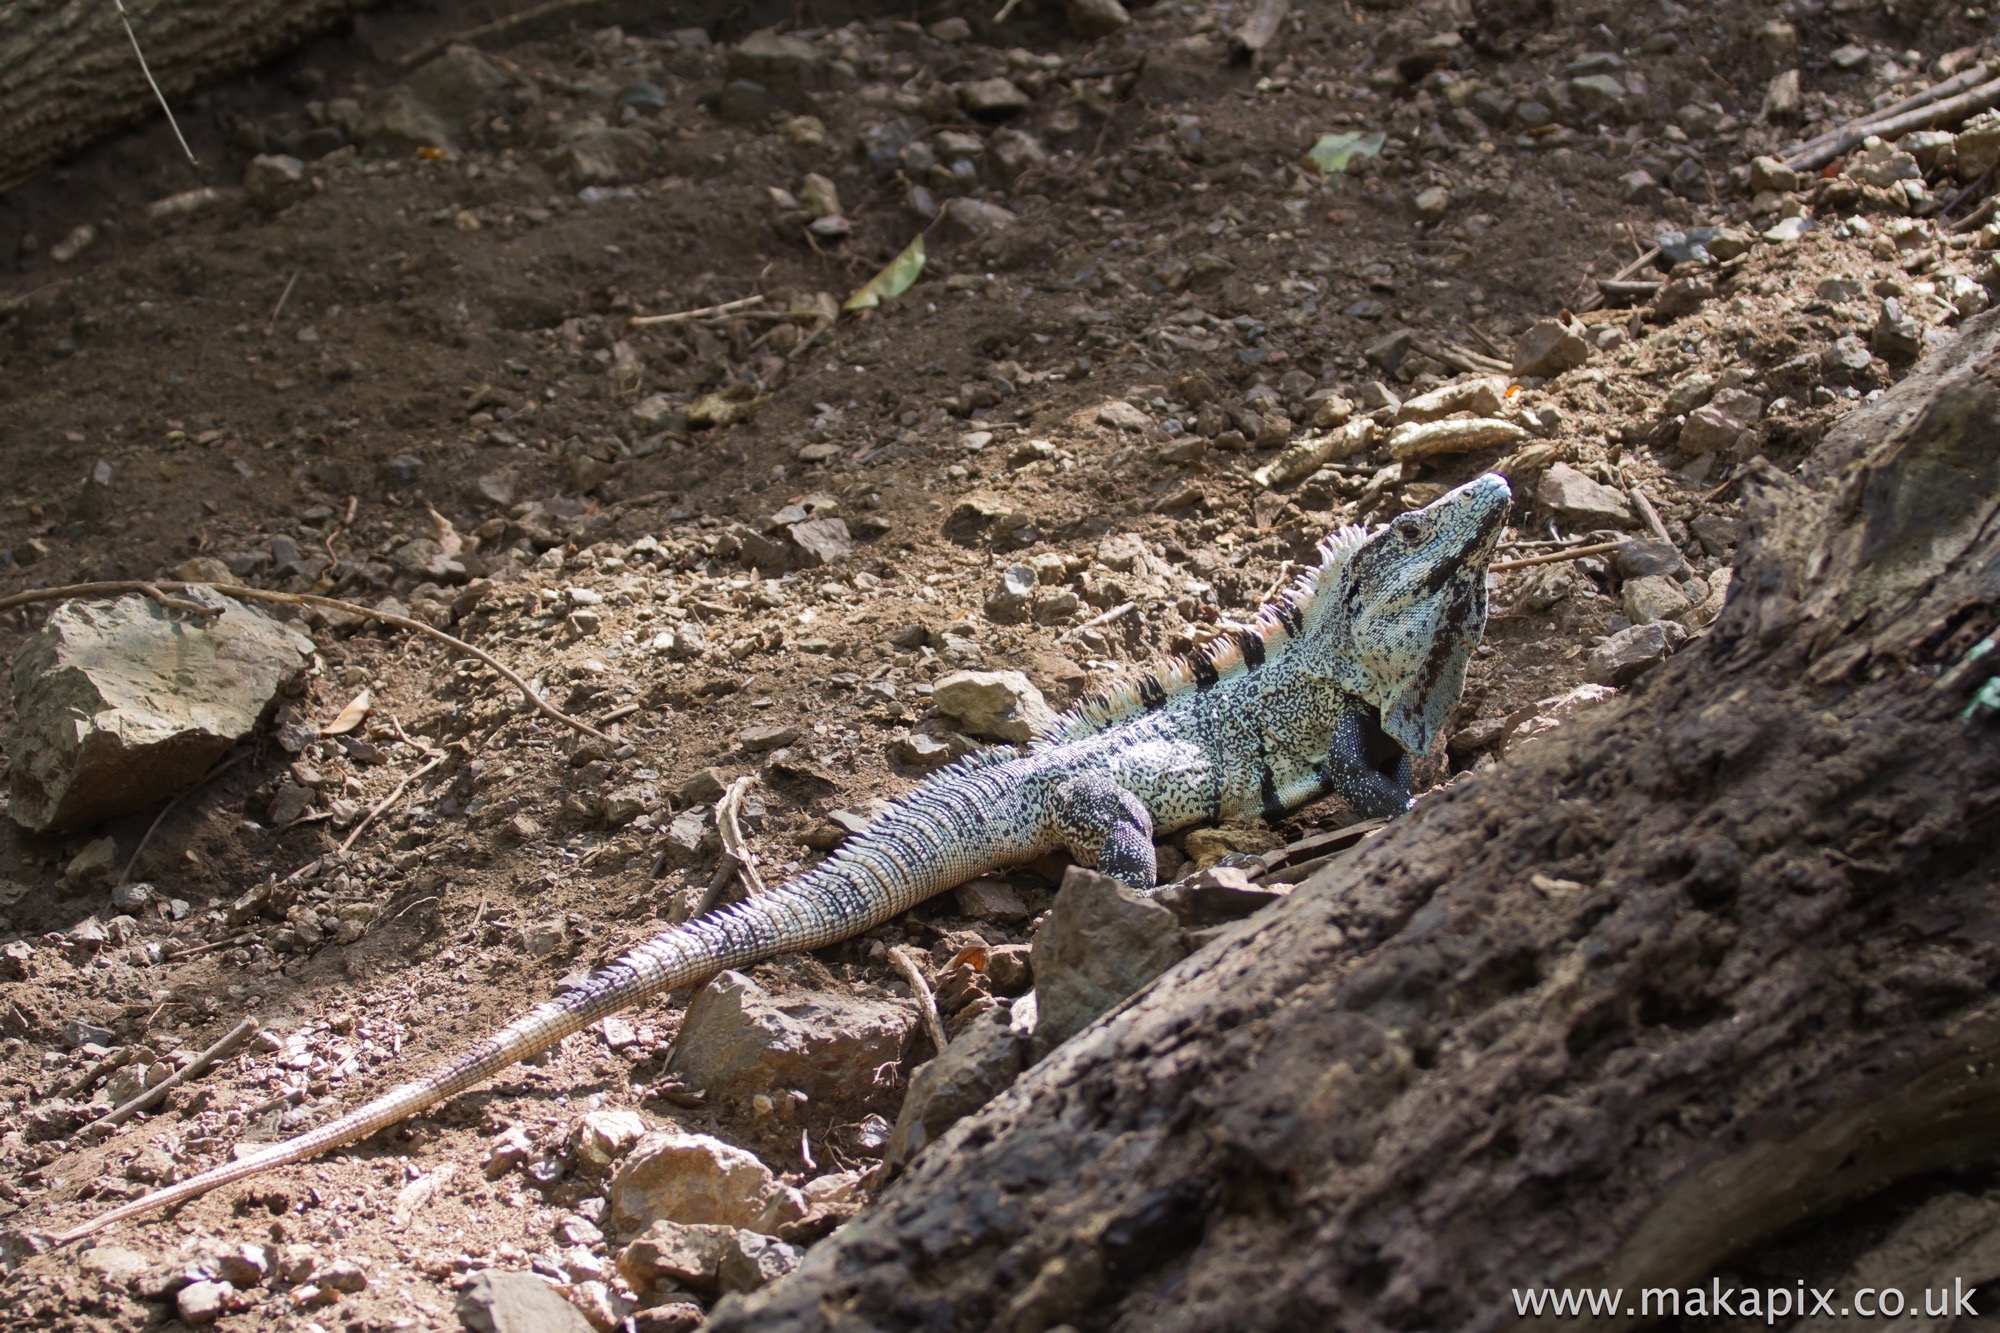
(271, 324)
(1885, 125)
(1123, 609)
(386, 802)
(926, 1001)
(1969, 78)
(727, 812)
(683, 316)
(1553, 557)
(153, 83)
(118, 587)
(194, 1069)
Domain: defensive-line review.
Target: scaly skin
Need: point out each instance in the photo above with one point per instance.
(1334, 688)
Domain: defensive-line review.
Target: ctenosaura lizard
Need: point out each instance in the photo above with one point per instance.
(1332, 688)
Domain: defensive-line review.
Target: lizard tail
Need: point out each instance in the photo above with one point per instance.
(660, 964)
(871, 880)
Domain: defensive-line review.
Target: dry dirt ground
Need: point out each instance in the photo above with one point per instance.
(426, 333)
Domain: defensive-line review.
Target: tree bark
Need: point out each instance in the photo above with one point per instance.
(1688, 977)
(68, 75)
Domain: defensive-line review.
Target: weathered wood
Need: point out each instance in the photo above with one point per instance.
(68, 75)
(1693, 972)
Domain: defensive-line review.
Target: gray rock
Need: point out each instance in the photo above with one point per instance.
(94, 865)
(766, 737)
(972, 219)
(397, 121)
(1581, 502)
(599, 1138)
(687, 642)
(273, 180)
(1100, 943)
(689, 1253)
(993, 98)
(750, 1261)
(1599, 94)
(680, 1177)
(1097, 18)
(1717, 533)
(1639, 187)
(921, 751)
(1633, 651)
(979, 1064)
(738, 1040)
(705, 786)
(991, 900)
(760, 552)
(785, 64)
(1710, 429)
(1769, 173)
(114, 1265)
(1653, 597)
(1550, 347)
(1848, 355)
(604, 156)
(1008, 604)
(201, 1302)
(821, 541)
(996, 705)
(1687, 393)
(1389, 351)
(497, 1301)
(1978, 145)
(1121, 415)
(459, 83)
(121, 704)
(744, 102)
(1015, 151)
(1897, 337)
(1682, 296)
(1642, 556)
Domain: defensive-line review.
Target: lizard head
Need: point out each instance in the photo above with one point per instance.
(1412, 606)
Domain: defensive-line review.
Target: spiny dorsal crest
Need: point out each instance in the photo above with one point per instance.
(1278, 622)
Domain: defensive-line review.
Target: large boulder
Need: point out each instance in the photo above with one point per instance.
(121, 704)
(739, 1040)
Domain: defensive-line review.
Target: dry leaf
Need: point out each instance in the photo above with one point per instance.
(897, 277)
(351, 716)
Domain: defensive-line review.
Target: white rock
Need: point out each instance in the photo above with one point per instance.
(997, 705)
(680, 1177)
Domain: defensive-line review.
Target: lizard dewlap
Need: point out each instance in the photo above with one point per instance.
(1332, 688)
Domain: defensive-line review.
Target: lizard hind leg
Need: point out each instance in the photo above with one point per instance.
(1100, 823)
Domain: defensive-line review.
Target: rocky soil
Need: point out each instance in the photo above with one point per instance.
(434, 330)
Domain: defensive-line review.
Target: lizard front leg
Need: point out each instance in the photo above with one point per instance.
(1349, 774)
(1101, 823)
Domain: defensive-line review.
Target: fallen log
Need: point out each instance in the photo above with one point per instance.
(1701, 979)
(68, 75)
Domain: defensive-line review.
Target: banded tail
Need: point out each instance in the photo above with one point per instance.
(902, 860)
